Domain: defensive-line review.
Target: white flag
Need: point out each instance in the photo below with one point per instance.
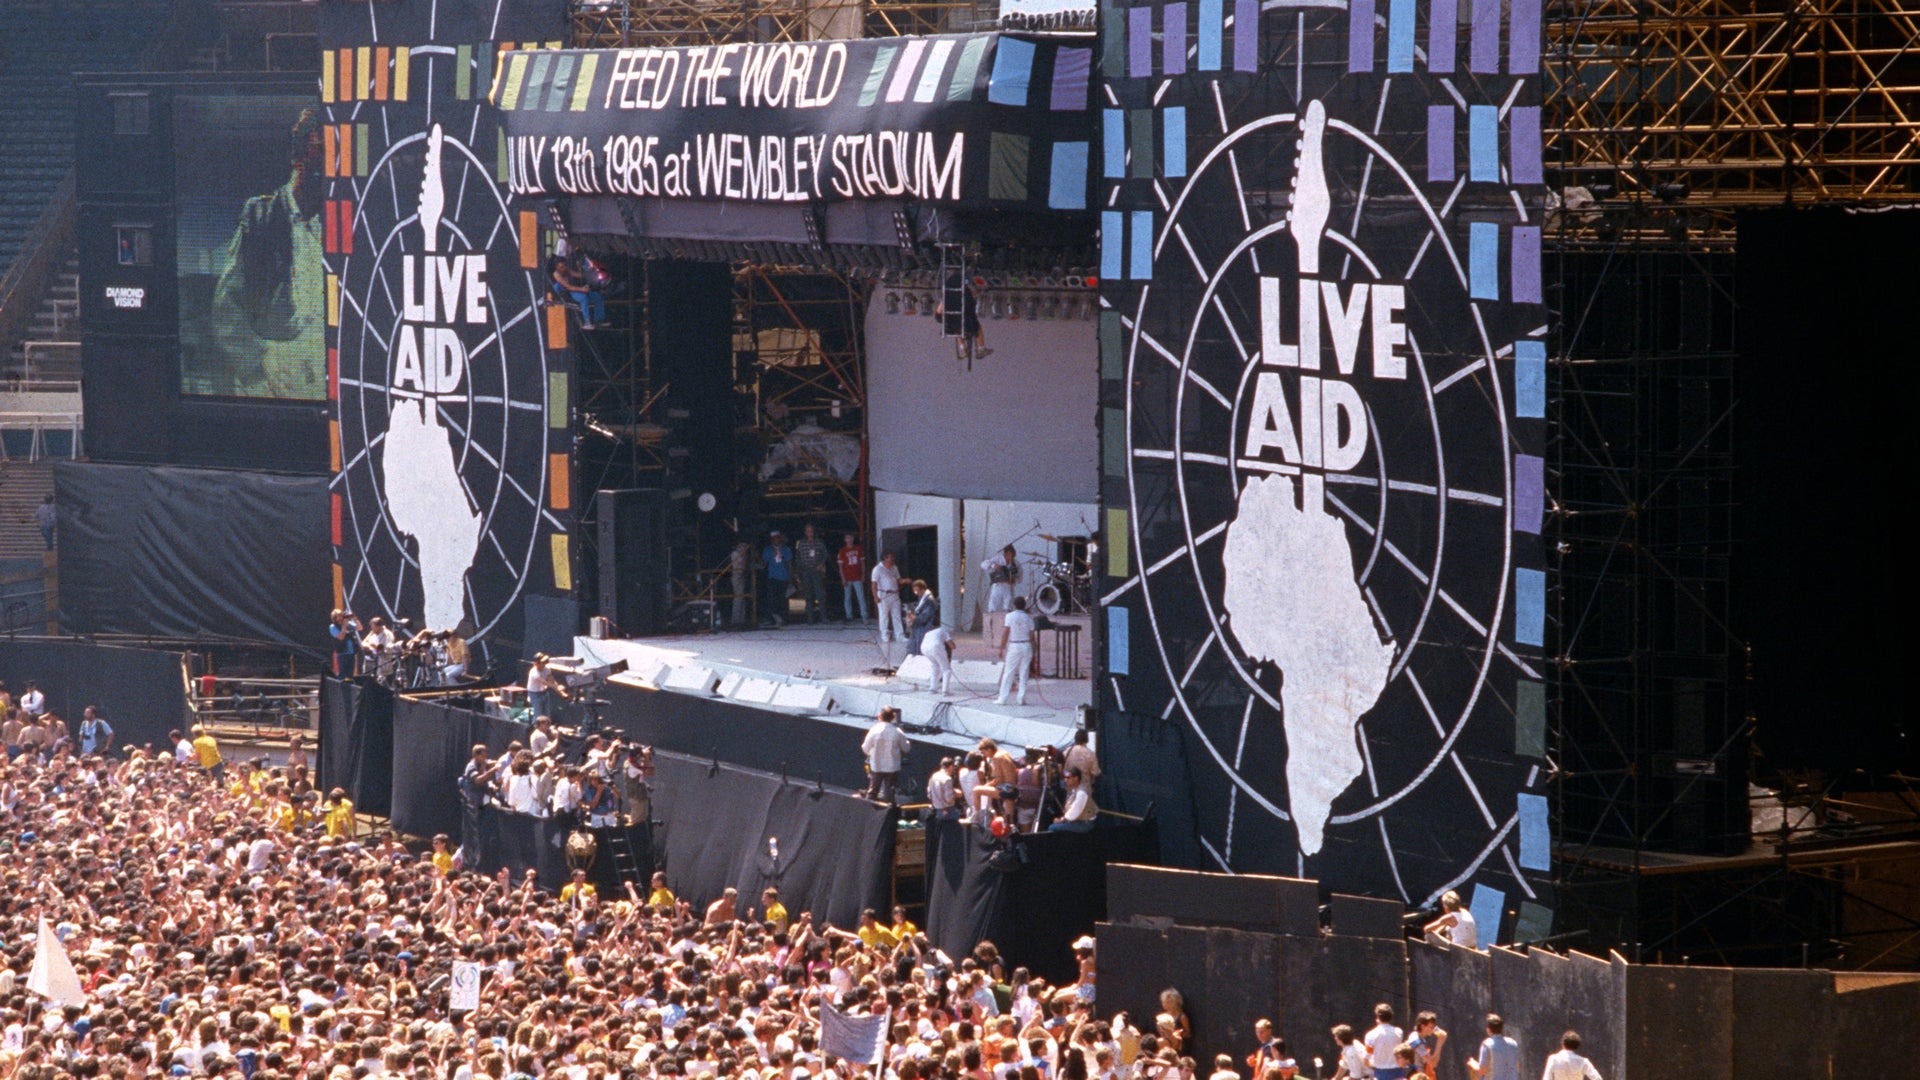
(464, 995)
(859, 1039)
(53, 976)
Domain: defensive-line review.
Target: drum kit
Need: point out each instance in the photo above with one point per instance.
(1060, 588)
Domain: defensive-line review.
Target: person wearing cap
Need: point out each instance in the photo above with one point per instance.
(542, 686)
(777, 559)
(544, 740)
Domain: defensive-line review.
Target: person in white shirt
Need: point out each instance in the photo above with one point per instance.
(518, 788)
(543, 738)
(1568, 1064)
(1353, 1055)
(1016, 647)
(33, 702)
(1382, 1041)
(1080, 811)
(967, 780)
(884, 746)
(942, 795)
(378, 648)
(566, 793)
(886, 595)
(937, 647)
(1003, 573)
(1455, 922)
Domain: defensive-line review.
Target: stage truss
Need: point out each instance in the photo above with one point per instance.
(1664, 120)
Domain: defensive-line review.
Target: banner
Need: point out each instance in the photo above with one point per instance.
(451, 493)
(1323, 361)
(859, 1039)
(956, 120)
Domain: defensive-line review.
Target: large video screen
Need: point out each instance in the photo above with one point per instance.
(249, 189)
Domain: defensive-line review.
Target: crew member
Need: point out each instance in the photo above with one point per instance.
(810, 564)
(1080, 811)
(1455, 922)
(1016, 651)
(778, 560)
(926, 614)
(344, 630)
(542, 685)
(96, 735)
(885, 748)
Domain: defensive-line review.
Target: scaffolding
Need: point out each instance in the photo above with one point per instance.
(1665, 120)
(1721, 104)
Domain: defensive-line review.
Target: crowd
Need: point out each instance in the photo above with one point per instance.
(222, 923)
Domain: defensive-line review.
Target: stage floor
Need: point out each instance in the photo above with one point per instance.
(843, 659)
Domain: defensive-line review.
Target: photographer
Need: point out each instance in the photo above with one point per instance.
(344, 630)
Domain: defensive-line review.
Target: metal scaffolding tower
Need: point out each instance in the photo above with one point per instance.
(1664, 120)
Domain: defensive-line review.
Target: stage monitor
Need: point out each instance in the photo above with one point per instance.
(249, 195)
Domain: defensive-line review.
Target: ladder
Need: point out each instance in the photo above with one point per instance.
(626, 865)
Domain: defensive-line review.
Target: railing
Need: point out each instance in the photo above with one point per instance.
(265, 706)
(41, 256)
(39, 423)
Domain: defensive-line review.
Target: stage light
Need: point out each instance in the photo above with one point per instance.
(913, 304)
(927, 305)
(1033, 307)
(893, 303)
(1053, 307)
(993, 308)
(1670, 193)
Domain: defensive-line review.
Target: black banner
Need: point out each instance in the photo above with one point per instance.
(1323, 393)
(356, 742)
(451, 493)
(192, 553)
(970, 120)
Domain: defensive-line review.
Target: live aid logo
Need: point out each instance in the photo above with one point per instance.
(1325, 428)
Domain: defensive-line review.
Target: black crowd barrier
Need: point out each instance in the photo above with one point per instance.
(356, 742)
(143, 692)
(1635, 1020)
(716, 826)
(492, 838)
(1048, 890)
(828, 852)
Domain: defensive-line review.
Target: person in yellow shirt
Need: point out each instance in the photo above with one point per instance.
(776, 912)
(661, 896)
(875, 935)
(579, 890)
(339, 814)
(442, 858)
(206, 752)
(902, 928)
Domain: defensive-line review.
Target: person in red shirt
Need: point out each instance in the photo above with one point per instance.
(853, 577)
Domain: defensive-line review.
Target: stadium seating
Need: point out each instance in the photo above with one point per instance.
(42, 43)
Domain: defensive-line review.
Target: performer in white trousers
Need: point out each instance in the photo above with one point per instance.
(886, 596)
(937, 647)
(1016, 646)
(1003, 573)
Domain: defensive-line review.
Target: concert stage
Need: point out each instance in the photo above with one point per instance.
(798, 701)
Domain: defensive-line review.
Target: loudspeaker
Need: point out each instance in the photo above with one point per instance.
(635, 578)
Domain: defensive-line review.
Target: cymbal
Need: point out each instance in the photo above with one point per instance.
(1045, 536)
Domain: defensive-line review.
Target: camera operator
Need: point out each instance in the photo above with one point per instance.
(379, 654)
(344, 631)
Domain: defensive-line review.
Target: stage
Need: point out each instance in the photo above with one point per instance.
(828, 673)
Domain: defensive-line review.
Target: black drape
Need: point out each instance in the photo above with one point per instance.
(432, 741)
(1033, 904)
(721, 827)
(190, 553)
(356, 742)
(493, 838)
(142, 692)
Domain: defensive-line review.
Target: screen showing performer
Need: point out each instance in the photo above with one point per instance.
(249, 183)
